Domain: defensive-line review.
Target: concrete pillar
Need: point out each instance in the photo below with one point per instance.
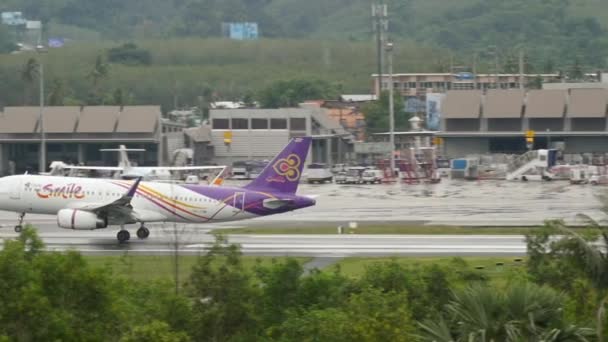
(81, 154)
(567, 124)
(249, 146)
(159, 139)
(3, 159)
(309, 124)
(483, 125)
(328, 150)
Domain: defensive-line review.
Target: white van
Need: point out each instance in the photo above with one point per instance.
(372, 176)
(319, 173)
(353, 175)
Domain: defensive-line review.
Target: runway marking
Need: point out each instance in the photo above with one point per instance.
(311, 246)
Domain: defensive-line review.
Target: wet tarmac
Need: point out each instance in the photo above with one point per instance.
(484, 203)
(451, 202)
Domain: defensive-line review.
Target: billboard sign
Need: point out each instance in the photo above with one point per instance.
(464, 76)
(56, 42)
(33, 25)
(241, 30)
(414, 105)
(13, 18)
(433, 110)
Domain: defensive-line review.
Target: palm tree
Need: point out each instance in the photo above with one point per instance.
(524, 312)
(56, 94)
(29, 73)
(588, 256)
(100, 71)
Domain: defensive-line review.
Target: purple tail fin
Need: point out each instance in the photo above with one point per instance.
(283, 173)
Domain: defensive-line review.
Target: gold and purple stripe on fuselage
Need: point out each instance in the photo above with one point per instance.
(170, 204)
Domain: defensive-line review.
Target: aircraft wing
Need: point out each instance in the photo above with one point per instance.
(100, 168)
(185, 168)
(119, 210)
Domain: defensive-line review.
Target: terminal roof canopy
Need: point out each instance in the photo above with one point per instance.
(462, 104)
(546, 103)
(503, 104)
(59, 119)
(19, 119)
(138, 119)
(98, 119)
(587, 103)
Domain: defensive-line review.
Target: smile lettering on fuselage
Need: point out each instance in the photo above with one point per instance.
(71, 190)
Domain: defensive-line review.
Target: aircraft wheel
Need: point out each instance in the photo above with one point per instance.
(143, 232)
(18, 228)
(123, 236)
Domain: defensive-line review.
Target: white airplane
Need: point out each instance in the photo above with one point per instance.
(127, 170)
(90, 203)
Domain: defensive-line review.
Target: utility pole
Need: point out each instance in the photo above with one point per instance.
(379, 14)
(521, 69)
(41, 49)
(475, 70)
(493, 50)
(391, 105)
(42, 167)
(496, 65)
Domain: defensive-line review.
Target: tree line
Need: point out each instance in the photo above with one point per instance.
(186, 73)
(559, 294)
(178, 73)
(556, 30)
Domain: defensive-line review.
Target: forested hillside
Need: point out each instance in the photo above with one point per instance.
(181, 70)
(178, 56)
(562, 28)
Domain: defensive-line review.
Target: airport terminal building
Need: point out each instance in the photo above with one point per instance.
(474, 122)
(76, 134)
(261, 133)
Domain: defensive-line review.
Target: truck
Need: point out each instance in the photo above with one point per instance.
(372, 176)
(354, 174)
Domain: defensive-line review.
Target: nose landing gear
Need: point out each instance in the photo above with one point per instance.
(19, 226)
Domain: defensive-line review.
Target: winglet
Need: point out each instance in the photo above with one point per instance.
(133, 188)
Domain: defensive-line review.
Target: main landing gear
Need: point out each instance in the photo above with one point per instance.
(124, 235)
(143, 232)
(19, 226)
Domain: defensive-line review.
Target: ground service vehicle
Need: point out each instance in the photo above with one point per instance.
(372, 176)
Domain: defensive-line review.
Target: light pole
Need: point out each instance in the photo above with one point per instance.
(380, 14)
(42, 167)
(391, 105)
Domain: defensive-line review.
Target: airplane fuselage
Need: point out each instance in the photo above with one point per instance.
(153, 202)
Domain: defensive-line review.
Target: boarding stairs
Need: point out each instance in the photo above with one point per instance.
(538, 160)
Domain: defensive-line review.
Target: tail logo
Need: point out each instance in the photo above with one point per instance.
(288, 167)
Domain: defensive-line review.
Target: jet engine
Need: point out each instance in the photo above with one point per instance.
(79, 219)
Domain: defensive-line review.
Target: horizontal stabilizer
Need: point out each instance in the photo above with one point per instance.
(273, 203)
